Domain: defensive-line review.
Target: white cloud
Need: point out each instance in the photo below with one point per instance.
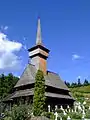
(8, 58)
(24, 38)
(4, 27)
(9, 61)
(75, 57)
(25, 47)
(79, 77)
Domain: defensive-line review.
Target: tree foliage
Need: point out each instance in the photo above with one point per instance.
(67, 83)
(77, 84)
(86, 82)
(39, 94)
(6, 84)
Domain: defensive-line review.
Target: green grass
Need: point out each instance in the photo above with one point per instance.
(82, 89)
(81, 92)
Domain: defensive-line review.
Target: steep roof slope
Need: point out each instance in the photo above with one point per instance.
(51, 79)
(28, 76)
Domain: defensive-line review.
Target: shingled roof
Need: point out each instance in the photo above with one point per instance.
(29, 92)
(51, 79)
(28, 76)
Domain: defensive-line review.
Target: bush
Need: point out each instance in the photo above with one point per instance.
(75, 115)
(88, 114)
(64, 117)
(50, 115)
(20, 112)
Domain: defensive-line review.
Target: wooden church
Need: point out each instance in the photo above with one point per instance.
(57, 92)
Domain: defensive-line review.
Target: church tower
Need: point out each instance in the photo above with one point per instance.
(57, 93)
(39, 54)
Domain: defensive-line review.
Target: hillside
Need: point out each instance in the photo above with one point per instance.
(81, 93)
(82, 89)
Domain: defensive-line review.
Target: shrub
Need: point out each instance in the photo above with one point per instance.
(20, 112)
(64, 117)
(75, 115)
(50, 115)
(88, 114)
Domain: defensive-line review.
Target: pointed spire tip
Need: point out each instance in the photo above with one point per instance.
(38, 38)
(38, 17)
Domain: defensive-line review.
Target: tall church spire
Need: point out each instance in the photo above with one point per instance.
(39, 53)
(38, 37)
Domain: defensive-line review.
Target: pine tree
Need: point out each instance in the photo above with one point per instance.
(79, 82)
(67, 83)
(86, 82)
(39, 94)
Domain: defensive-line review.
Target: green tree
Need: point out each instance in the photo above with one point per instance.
(6, 84)
(12, 80)
(39, 94)
(74, 85)
(67, 83)
(79, 82)
(86, 82)
(2, 86)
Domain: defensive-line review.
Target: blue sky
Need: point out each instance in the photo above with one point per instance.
(65, 31)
